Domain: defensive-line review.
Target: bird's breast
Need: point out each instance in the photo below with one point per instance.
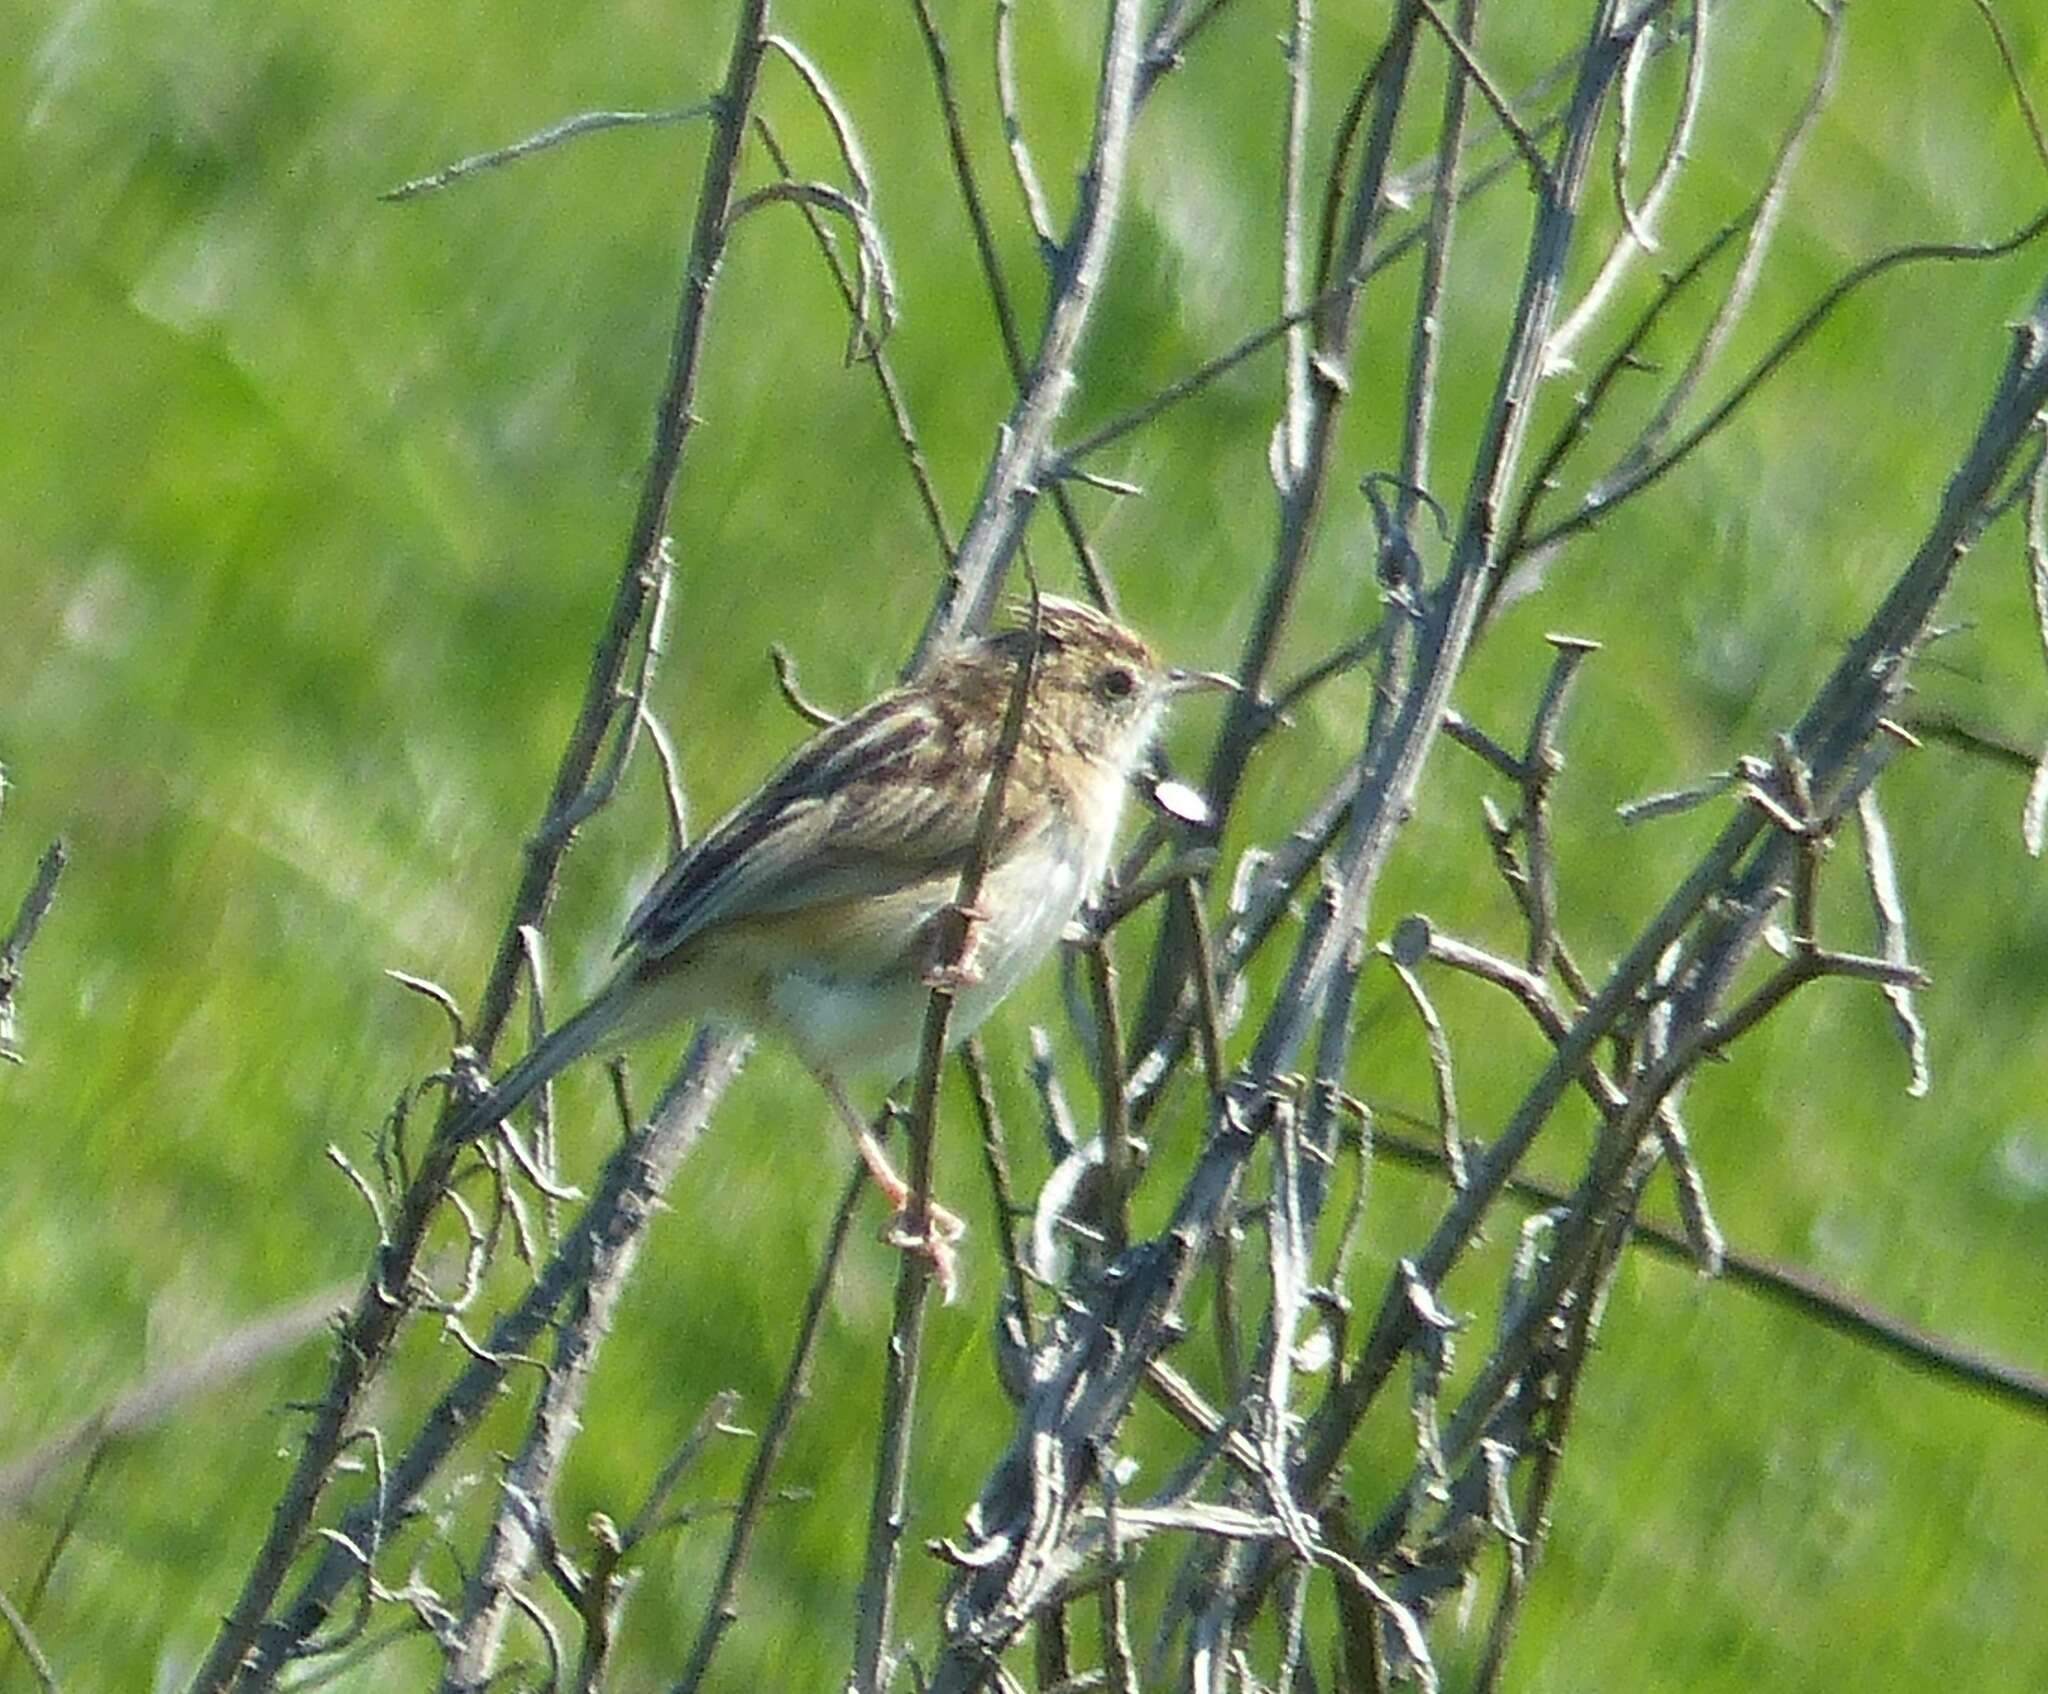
(843, 1016)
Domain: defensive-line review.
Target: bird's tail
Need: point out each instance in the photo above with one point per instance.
(558, 1050)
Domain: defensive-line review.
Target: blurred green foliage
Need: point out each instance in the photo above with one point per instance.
(308, 511)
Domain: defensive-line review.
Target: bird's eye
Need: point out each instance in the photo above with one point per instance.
(1118, 683)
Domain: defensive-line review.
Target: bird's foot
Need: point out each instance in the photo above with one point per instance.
(934, 1241)
(954, 942)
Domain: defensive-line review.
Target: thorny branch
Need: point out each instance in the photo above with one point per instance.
(1058, 1521)
(373, 1324)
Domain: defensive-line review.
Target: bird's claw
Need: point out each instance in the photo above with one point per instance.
(956, 942)
(934, 1242)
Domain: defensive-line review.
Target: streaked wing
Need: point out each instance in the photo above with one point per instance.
(874, 804)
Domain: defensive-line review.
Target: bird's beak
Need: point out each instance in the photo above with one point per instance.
(1186, 682)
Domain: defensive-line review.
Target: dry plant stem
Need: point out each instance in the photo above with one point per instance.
(1415, 938)
(1393, 770)
(998, 290)
(720, 1611)
(627, 1198)
(31, 1649)
(1050, 1661)
(874, 356)
(1624, 1160)
(1162, 54)
(1789, 1286)
(1278, 884)
(1441, 1070)
(1981, 741)
(1186, 387)
(1503, 111)
(1762, 225)
(1122, 1674)
(654, 1515)
(528, 1488)
(1625, 358)
(373, 1324)
(996, 1164)
(997, 1598)
(546, 1152)
(1626, 485)
(1428, 331)
(598, 1594)
(631, 714)
(60, 1537)
(1300, 496)
(1202, 968)
(1829, 739)
(570, 129)
(1294, 411)
(35, 906)
(1377, 259)
(2034, 812)
(1407, 186)
(1036, 212)
(876, 1602)
(1293, 1631)
(1541, 761)
(1560, 1397)
(1257, 341)
(2013, 76)
(1021, 460)
(1638, 231)
(1118, 1159)
(1179, 23)
(1320, 1128)
(1600, 1211)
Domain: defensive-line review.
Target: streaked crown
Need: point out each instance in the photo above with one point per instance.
(1097, 688)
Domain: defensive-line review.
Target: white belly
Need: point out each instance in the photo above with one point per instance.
(859, 1026)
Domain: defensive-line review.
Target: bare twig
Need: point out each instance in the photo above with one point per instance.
(1761, 223)
(373, 1325)
(719, 1609)
(1503, 112)
(876, 358)
(570, 129)
(28, 918)
(627, 1196)
(1300, 499)
(1639, 220)
(792, 690)
(1003, 1208)
(999, 294)
(875, 1606)
(527, 1490)
(1398, 571)
(1028, 188)
(30, 1648)
(1019, 467)
(2034, 814)
(1830, 738)
(1440, 1068)
(1798, 1290)
(1118, 1159)
(2015, 79)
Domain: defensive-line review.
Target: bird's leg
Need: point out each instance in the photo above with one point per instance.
(942, 1227)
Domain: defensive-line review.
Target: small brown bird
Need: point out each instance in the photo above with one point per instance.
(812, 910)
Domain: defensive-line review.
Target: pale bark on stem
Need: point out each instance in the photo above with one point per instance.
(1022, 457)
(374, 1322)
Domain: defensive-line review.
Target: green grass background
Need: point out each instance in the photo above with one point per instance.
(308, 511)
